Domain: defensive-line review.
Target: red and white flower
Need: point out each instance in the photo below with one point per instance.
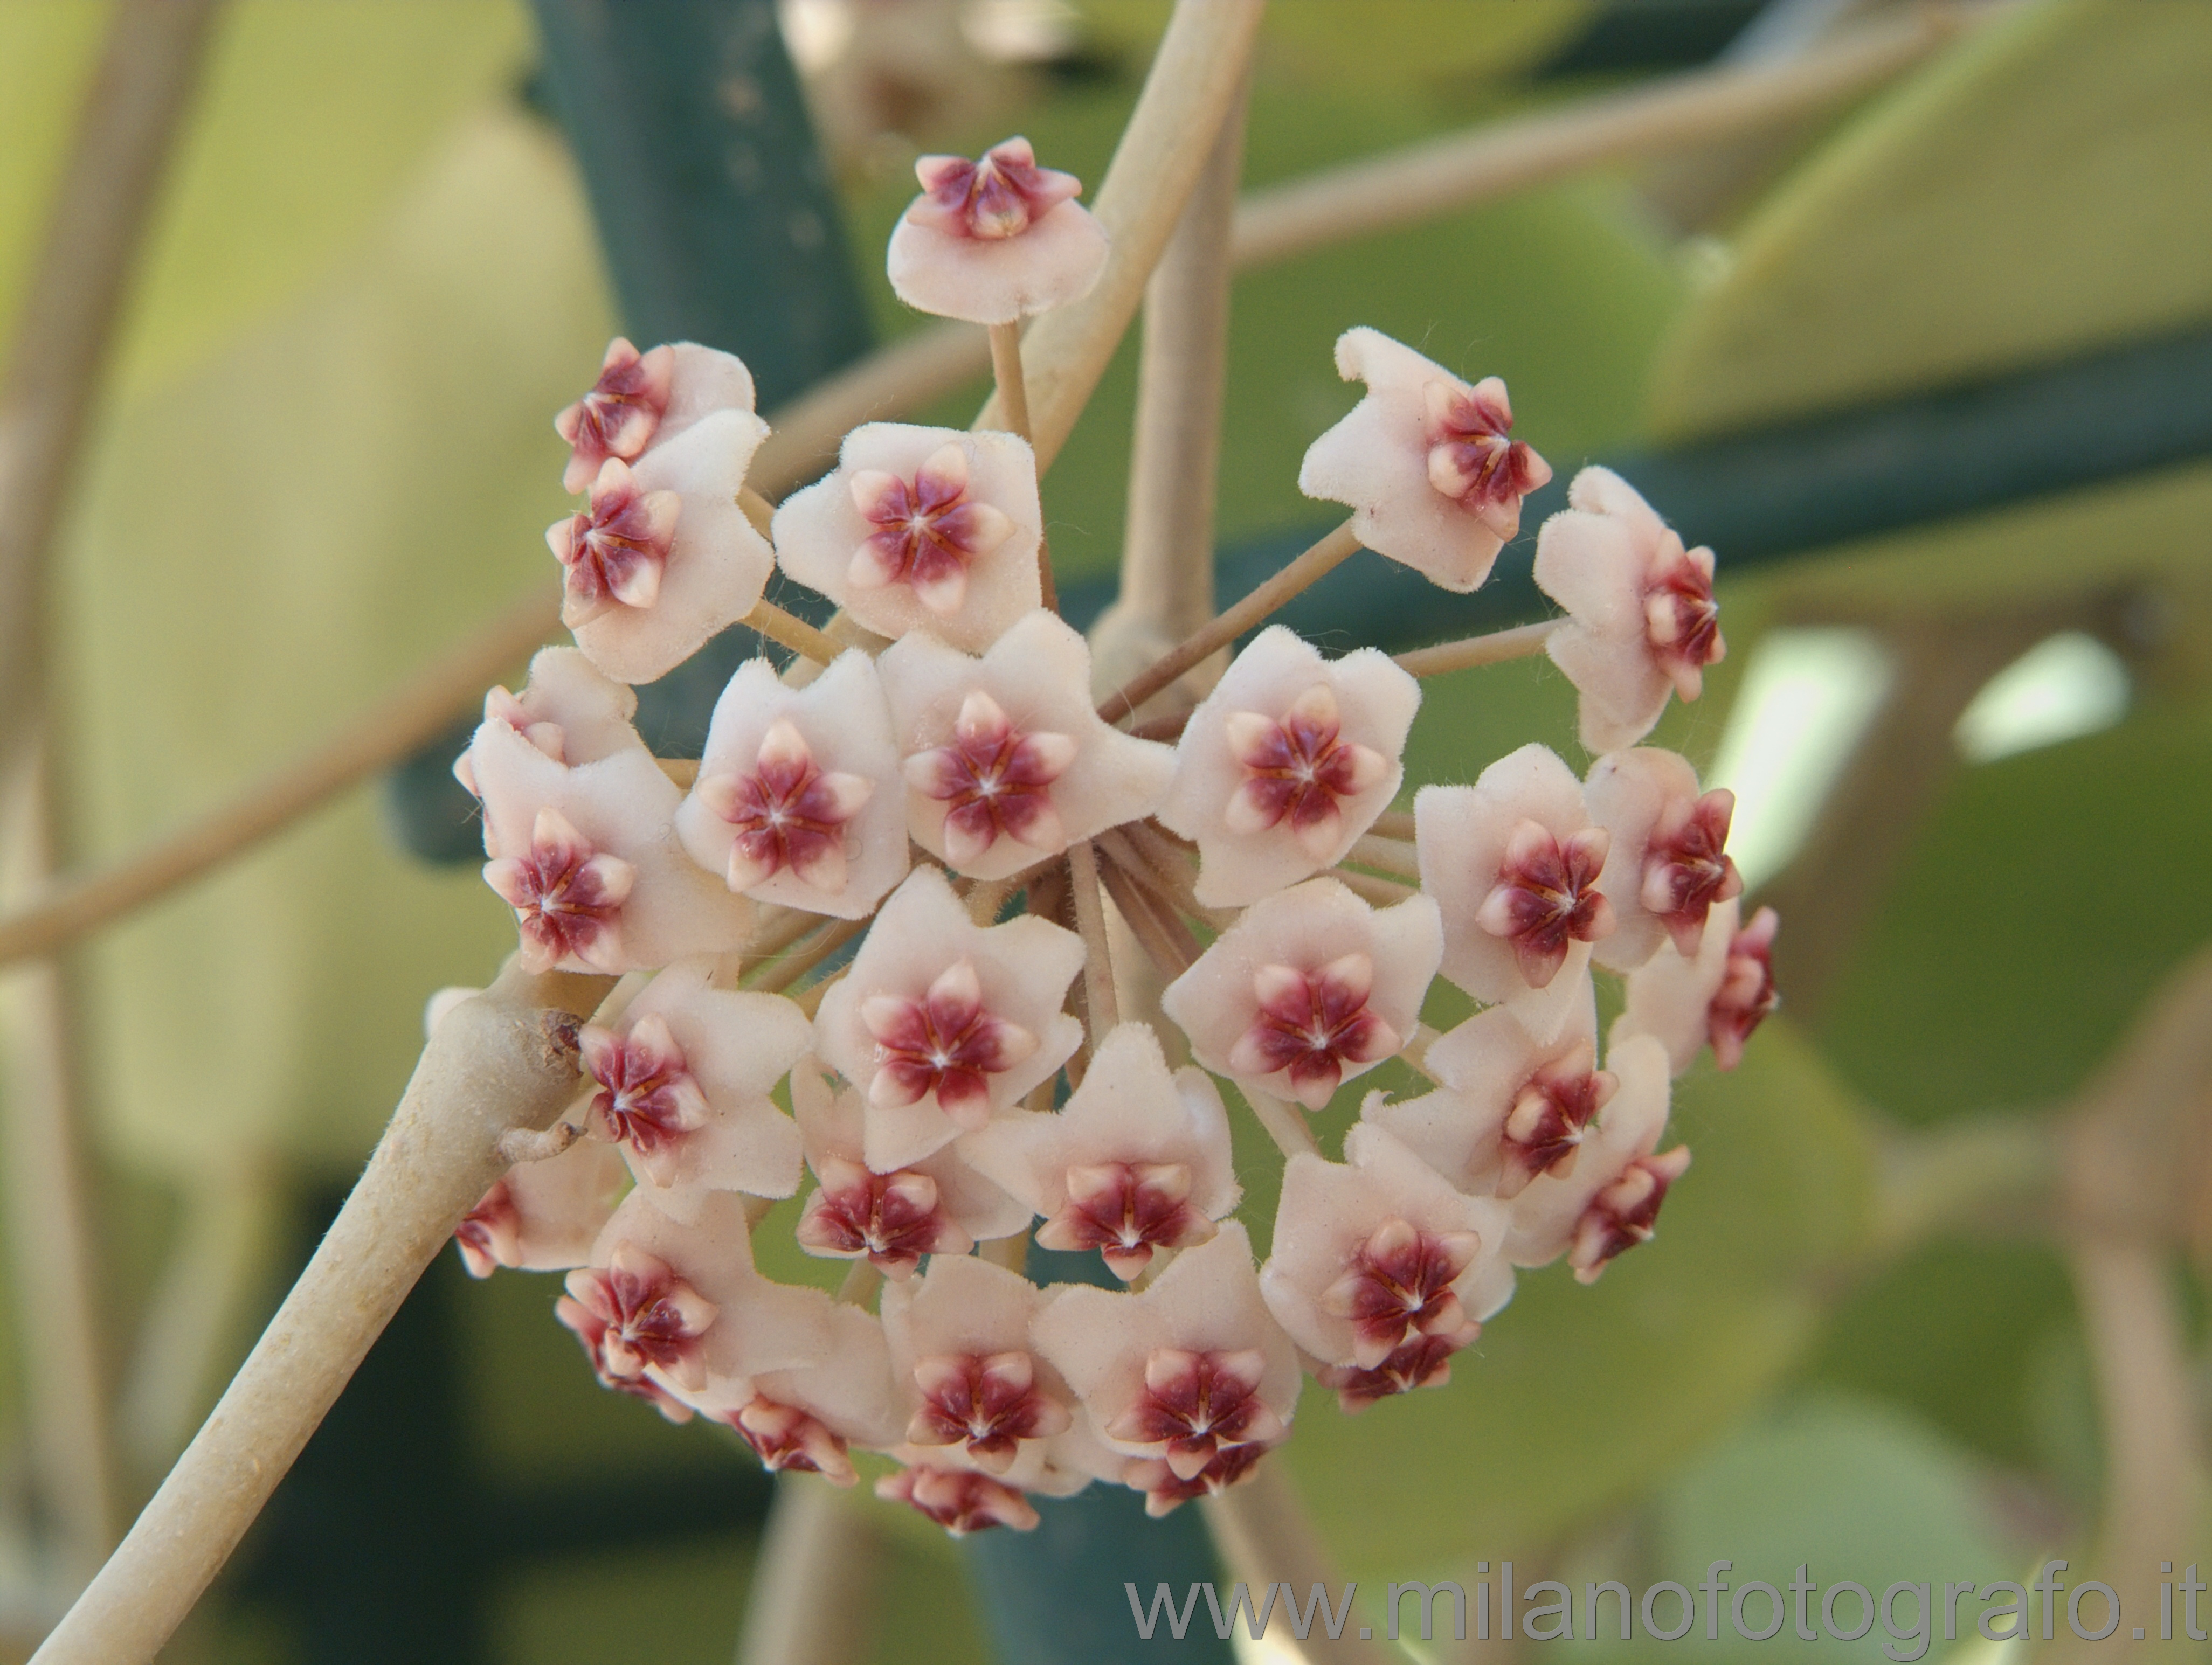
(1378, 1257)
(1513, 862)
(1641, 623)
(921, 527)
(1425, 461)
(1006, 760)
(798, 800)
(1191, 1375)
(994, 239)
(1137, 1161)
(1718, 996)
(682, 1084)
(1308, 989)
(1667, 863)
(1286, 763)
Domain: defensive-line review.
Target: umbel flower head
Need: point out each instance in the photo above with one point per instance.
(873, 946)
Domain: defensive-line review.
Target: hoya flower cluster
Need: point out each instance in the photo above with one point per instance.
(938, 800)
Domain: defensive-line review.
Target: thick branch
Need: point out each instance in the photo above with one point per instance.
(505, 1059)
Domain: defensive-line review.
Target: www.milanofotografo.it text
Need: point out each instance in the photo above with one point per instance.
(1910, 1614)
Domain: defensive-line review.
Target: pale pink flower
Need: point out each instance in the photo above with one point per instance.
(1137, 1161)
(643, 400)
(1425, 462)
(664, 1305)
(544, 1216)
(1378, 1262)
(1510, 1108)
(943, 1023)
(661, 557)
(991, 241)
(682, 1084)
(1286, 763)
(590, 862)
(1513, 862)
(961, 1500)
(1191, 1375)
(1310, 988)
(935, 1205)
(1668, 865)
(806, 1418)
(1719, 995)
(1642, 621)
(1549, 1217)
(922, 526)
(1006, 760)
(798, 799)
(567, 710)
(977, 1395)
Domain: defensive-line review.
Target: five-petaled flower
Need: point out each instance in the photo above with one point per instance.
(1006, 758)
(1286, 763)
(613, 552)
(992, 239)
(1513, 862)
(921, 528)
(1137, 1161)
(798, 799)
(1719, 995)
(636, 1315)
(567, 896)
(1424, 462)
(929, 531)
(1310, 987)
(1668, 865)
(619, 415)
(1641, 620)
(961, 1500)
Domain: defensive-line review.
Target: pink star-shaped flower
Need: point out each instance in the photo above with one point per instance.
(662, 557)
(589, 864)
(544, 1216)
(1667, 863)
(921, 527)
(938, 1205)
(1546, 1215)
(567, 710)
(960, 1500)
(1183, 1373)
(990, 241)
(683, 1079)
(1006, 760)
(1510, 1109)
(798, 800)
(1379, 1250)
(1513, 862)
(1719, 995)
(1425, 462)
(945, 1043)
(1286, 763)
(633, 1315)
(1422, 1362)
(1310, 987)
(1137, 1161)
(960, 1346)
(929, 531)
(1625, 1213)
(995, 782)
(1642, 621)
(567, 896)
(643, 400)
(617, 418)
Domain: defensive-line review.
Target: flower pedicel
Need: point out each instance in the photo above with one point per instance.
(961, 1084)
